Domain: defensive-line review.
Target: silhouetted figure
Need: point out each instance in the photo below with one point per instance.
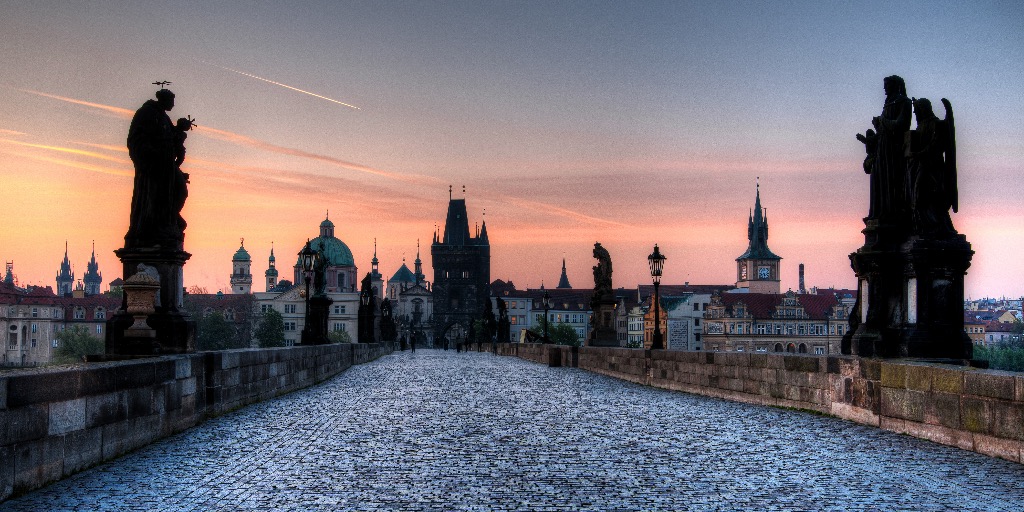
(890, 167)
(159, 193)
(931, 168)
(870, 140)
(602, 272)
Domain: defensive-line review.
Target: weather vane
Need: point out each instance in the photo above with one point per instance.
(162, 83)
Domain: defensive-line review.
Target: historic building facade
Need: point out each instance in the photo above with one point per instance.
(241, 271)
(770, 322)
(290, 301)
(462, 274)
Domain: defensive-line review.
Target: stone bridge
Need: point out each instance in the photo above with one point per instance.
(441, 430)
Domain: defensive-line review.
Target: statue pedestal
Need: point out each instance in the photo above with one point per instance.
(315, 333)
(910, 300)
(602, 327)
(174, 330)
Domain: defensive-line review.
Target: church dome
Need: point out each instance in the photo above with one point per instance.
(241, 255)
(336, 252)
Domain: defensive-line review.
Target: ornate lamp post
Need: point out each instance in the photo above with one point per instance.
(657, 261)
(546, 302)
(308, 257)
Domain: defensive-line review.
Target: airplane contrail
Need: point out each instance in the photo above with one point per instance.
(282, 85)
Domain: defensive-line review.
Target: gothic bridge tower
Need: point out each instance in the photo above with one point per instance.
(757, 270)
(462, 275)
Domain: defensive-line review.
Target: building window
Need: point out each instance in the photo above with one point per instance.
(101, 314)
(339, 326)
(35, 328)
(99, 328)
(289, 308)
(289, 326)
(265, 308)
(56, 344)
(819, 351)
(696, 322)
(79, 314)
(33, 343)
(696, 306)
(35, 312)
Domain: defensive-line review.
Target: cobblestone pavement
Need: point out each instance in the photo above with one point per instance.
(446, 431)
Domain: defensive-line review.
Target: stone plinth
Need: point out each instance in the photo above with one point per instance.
(315, 333)
(174, 330)
(910, 300)
(602, 332)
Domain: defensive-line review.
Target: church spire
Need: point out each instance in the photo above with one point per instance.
(419, 265)
(563, 282)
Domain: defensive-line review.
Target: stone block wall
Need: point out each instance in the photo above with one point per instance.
(974, 409)
(55, 422)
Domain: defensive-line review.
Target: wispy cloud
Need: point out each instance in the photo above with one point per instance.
(118, 111)
(108, 147)
(11, 133)
(102, 169)
(73, 151)
(281, 85)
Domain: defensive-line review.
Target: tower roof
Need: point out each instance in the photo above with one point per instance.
(757, 233)
(563, 282)
(403, 275)
(241, 254)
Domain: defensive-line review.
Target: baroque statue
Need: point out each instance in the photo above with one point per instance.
(602, 272)
(931, 170)
(157, 149)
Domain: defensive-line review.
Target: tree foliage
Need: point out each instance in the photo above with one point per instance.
(339, 337)
(560, 334)
(1001, 357)
(74, 343)
(213, 332)
(270, 331)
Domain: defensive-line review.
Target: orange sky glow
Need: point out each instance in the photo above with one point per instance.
(653, 128)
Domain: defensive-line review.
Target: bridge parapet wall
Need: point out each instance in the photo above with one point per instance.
(974, 409)
(57, 421)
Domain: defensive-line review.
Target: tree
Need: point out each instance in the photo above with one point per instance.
(560, 334)
(213, 332)
(270, 331)
(197, 290)
(339, 337)
(75, 343)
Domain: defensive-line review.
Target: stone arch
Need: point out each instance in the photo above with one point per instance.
(791, 348)
(802, 349)
(778, 347)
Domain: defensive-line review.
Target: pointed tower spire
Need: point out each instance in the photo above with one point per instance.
(563, 281)
(419, 264)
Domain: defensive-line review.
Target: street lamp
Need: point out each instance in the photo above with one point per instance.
(546, 302)
(307, 257)
(657, 261)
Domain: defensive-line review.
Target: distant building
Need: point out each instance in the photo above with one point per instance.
(757, 269)
(241, 271)
(563, 281)
(289, 299)
(462, 275)
(31, 318)
(768, 322)
(65, 277)
(271, 274)
(93, 278)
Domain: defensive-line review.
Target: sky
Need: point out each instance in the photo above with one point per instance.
(568, 123)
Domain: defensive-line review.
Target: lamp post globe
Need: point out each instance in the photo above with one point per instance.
(657, 263)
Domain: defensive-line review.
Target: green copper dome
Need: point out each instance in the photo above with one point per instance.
(337, 253)
(241, 255)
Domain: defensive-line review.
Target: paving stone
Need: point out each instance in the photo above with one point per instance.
(435, 430)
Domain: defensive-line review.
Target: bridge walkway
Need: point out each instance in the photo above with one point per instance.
(435, 430)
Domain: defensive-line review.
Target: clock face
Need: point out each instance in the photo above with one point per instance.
(763, 273)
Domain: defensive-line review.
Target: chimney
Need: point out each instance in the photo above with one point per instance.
(802, 288)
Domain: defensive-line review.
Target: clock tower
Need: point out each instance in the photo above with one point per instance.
(757, 270)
